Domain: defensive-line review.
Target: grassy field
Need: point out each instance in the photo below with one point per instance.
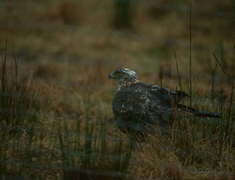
(56, 118)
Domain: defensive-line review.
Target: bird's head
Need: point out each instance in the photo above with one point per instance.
(124, 75)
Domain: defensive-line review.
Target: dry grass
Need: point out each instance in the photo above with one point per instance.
(66, 51)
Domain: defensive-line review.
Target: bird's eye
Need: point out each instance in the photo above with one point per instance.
(120, 73)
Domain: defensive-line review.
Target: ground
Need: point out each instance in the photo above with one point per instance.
(66, 51)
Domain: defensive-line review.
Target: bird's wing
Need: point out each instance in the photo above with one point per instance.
(165, 94)
(136, 109)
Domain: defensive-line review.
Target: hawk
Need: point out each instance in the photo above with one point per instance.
(139, 107)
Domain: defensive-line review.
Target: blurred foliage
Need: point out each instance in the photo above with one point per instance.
(122, 15)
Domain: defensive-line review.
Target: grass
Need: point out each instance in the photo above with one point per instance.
(67, 130)
(73, 137)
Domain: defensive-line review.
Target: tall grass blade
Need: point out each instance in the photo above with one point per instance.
(226, 128)
(117, 156)
(3, 88)
(228, 122)
(213, 84)
(78, 133)
(185, 125)
(161, 76)
(86, 163)
(127, 159)
(233, 9)
(222, 128)
(177, 68)
(190, 58)
(64, 158)
(232, 83)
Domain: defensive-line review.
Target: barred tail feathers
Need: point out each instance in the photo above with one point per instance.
(208, 114)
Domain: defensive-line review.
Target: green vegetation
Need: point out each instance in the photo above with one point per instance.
(56, 119)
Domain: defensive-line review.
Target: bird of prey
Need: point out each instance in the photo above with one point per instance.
(139, 107)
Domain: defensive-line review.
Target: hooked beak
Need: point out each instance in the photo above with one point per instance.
(111, 75)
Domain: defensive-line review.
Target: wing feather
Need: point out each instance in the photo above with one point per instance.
(165, 94)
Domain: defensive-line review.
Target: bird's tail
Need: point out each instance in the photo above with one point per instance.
(208, 114)
(195, 112)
